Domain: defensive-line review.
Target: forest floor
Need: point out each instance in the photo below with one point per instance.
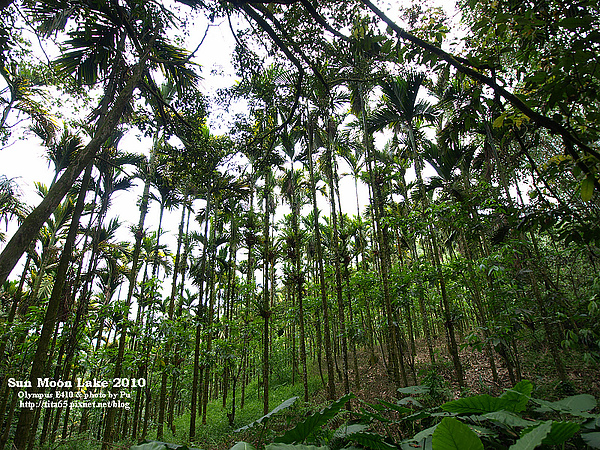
(375, 383)
(537, 366)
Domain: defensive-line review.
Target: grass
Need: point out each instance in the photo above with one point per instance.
(218, 434)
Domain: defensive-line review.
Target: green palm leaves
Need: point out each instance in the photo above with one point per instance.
(400, 108)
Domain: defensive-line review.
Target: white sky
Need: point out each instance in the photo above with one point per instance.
(24, 160)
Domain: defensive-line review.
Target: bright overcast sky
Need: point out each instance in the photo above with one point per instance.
(24, 158)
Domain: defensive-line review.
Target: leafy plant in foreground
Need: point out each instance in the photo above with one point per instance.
(469, 423)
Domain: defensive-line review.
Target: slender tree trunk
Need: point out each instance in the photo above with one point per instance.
(36, 219)
(196, 375)
(336, 264)
(39, 360)
(266, 309)
(139, 234)
(168, 346)
(328, 356)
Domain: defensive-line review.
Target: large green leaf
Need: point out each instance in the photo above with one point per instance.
(561, 432)
(371, 440)
(532, 438)
(301, 431)
(576, 405)
(451, 434)
(414, 390)
(515, 399)
(508, 418)
(149, 446)
(156, 445)
(592, 439)
(424, 434)
(397, 408)
(478, 404)
(587, 188)
(280, 446)
(242, 446)
(286, 404)
(348, 430)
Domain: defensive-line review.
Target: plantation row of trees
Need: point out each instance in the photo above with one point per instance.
(272, 273)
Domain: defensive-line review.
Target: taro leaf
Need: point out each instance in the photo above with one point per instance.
(508, 418)
(533, 437)
(368, 415)
(242, 446)
(561, 432)
(410, 401)
(424, 434)
(575, 405)
(414, 390)
(397, 408)
(284, 405)
(149, 446)
(593, 423)
(409, 444)
(451, 434)
(348, 430)
(478, 404)
(301, 431)
(279, 446)
(483, 431)
(156, 445)
(372, 440)
(516, 399)
(592, 439)
(418, 415)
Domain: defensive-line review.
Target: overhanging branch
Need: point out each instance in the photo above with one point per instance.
(554, 127)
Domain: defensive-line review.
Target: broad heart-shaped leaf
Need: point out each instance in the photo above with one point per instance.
(587, 188)
(397, 408)
(575, 405)
(156, 445)
(508, 418)
(280, 446)
(478, 404)
(417, 416)
(424, 434)
(561, 432)
(515, 399)
(149, 446)
(592, 439)
(348, 430)
(410, 401)
(242, 446)
(451, 434)
(371, 440)
(414, 390)
(284, 405)
(533, 438)
(301, 431)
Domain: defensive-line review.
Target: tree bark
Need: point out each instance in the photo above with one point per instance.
(40, 358)
(35, 220)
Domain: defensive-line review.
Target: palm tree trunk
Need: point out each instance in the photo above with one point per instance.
(328, 356)
(163, 384)
(139, 234)
(336, 264)
(36, 219)
(39, 360)
(266, 309)
(196, 376)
